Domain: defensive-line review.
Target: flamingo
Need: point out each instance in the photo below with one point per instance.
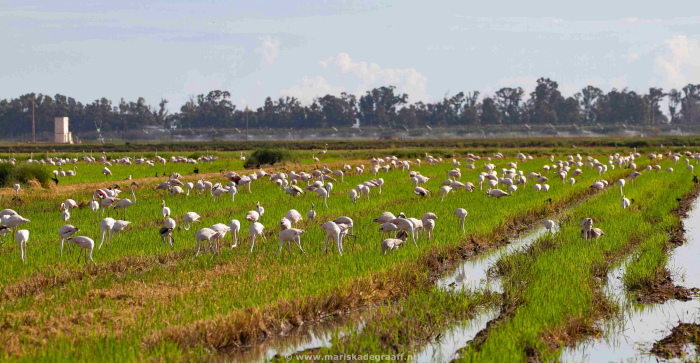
(290, 235)
(87, 245)
(65, 232)
(217, 192)
(65, 215)
(260, 210)
(586, 226)
(252, 216)
(311, 215)
(444, 191)
(167, 232)
(353, 196)
(118, 227)
(203, 234)
(14, 221)
(106, 172)
(390, 244)
(16, 187)
(190, 218)
(106, 225)
(549, 225)
(621, 183)
(387, 228)
(498, 194)
(165, 211)
(22, 236)
(593, 233)
(293, 216)
(94, 207)
(420, 191)
(625, 202)
(254, 230)
(384, 218)
(235, 227)
(221, 230)
(461, 213)
(333, 232)
(323, 193)
(125, 203)
(428, 222)
(407, 226)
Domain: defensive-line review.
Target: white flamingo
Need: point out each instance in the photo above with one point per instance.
(290, 235)
(461, 213)
(106, 225)
(22, 236)
(190, 218)
(87, 245)
(235, 227)
(65, 232)
(255, 229)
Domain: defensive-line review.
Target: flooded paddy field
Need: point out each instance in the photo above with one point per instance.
(506, 275)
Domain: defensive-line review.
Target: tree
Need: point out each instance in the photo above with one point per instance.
(587, 99)
(674, 99)
(489, 112)
(508, 103)
(546, 99)
(655, 97)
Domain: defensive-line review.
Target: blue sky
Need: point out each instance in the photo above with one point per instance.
(174, 49)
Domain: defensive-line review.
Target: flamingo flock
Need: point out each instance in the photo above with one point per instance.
(396, 229)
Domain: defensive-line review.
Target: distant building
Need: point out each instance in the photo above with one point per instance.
(61, 133)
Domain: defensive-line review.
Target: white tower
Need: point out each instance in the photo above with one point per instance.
(61, 133)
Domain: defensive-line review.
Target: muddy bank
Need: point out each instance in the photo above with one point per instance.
(673, 346)
(663, 289)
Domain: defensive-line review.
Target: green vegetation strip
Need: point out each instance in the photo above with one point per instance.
(553, 292)
(111, 313)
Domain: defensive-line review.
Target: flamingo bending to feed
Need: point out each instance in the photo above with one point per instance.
(22, 236)
(106, 225)
(202, 235)
(190, 218)
(391, 244)
(461, 213)
(290, 235)
(406, 225)
(118, 227)
(87, 245)
(255, 229)
(235, 227)
(66, 232)
(333, 232)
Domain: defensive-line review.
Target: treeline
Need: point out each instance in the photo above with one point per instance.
(381, 106)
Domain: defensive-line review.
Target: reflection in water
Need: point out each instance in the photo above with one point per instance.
(631, 337)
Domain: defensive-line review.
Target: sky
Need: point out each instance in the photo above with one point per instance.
(305, 49)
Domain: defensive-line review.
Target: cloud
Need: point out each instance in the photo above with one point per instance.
(361, 75)
(679, 64)
(269, 48)
(631, 57)
(310, 88)
(406, 80)
(195, 84)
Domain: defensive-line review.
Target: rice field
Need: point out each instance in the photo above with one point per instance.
(144, 300)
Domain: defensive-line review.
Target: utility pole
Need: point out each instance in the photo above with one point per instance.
(33, 125)
(246, 123)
